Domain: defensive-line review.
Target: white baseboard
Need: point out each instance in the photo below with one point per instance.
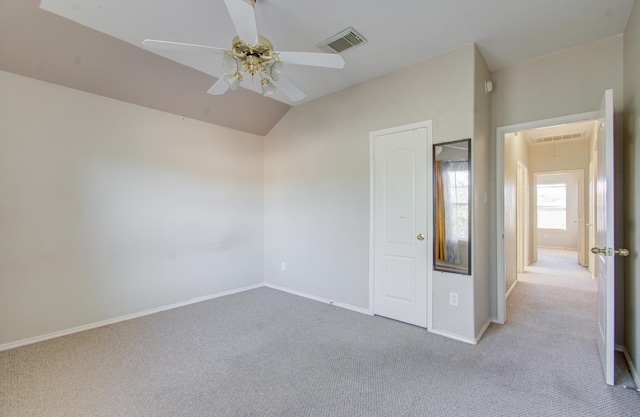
(632, 368)
(453, 336)
(511, 289)
(484, 329)
(90, 326)
(320, 299)
(558, 248)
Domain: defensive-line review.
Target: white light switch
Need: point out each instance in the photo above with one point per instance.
(283, 266)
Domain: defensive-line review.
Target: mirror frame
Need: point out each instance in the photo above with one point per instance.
(441, 268)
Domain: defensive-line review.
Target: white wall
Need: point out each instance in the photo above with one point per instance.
(565, 83)
(109, 209)
(317, 181)
(567, 238)
(632, 186)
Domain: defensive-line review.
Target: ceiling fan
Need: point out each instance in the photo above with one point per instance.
(253, 54)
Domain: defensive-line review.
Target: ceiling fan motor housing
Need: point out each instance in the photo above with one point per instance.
(254, 58)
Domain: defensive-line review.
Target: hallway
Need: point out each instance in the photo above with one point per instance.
(559, 268)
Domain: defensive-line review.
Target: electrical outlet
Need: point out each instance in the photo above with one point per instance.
(283, 266)
(453, 298)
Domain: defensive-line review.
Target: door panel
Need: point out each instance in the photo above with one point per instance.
(605, 237)
(400, 216)
(402, 286)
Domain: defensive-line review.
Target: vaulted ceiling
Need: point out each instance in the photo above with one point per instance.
(95, 45)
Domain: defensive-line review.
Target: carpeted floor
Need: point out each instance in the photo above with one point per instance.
(560, 268)
(268, 353)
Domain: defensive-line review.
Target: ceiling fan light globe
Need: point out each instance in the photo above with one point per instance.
(267, 88)
(275, 70)
(233, 81)
(230, 64)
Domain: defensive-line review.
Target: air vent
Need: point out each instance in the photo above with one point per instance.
(558, 138)
(342, 41)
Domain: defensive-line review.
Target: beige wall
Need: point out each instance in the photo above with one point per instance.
(565, 83)
(568, 82)
(632, 187)
(109, 209)
(481, 163)
(317, 181)
(564, 157)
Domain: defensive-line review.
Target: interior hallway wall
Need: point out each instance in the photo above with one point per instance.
(516, 148)
(557, 238)
(565, 157)
(109, 209)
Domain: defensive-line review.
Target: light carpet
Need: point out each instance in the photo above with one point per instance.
(559, 268)
(268, 353)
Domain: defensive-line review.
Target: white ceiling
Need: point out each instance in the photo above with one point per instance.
(399, 33)
(95, 46)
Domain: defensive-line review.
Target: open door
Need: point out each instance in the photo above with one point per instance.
(604, 251)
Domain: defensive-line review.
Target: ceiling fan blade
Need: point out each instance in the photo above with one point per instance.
(179, 46)
(219, 88)
(312, 59)
(289, 89)
(244, 19)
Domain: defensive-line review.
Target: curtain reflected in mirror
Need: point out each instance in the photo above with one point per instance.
(452, 185)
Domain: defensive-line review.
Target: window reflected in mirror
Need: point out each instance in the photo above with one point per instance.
(452, 185)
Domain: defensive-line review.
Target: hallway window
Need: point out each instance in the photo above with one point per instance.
(552, 206)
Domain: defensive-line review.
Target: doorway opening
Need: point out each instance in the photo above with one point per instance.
(601, 200)
(525, 152)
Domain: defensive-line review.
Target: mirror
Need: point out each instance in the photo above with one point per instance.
(452, 227)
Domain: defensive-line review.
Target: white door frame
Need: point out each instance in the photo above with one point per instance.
(522, 217)
(500, 250)
(372, 135)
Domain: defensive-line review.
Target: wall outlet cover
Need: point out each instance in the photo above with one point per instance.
(453, 298)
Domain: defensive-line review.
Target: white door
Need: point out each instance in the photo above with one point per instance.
(400, 212)
(604, 250)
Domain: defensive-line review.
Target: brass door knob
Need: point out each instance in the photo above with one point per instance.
(610, 252)
(420, 236)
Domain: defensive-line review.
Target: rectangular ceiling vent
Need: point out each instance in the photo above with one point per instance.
(342, 41)
(558, 138)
